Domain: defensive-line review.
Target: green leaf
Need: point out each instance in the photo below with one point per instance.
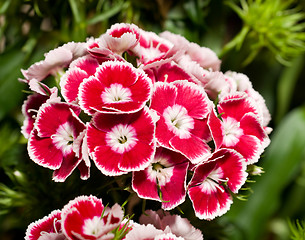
(281, 162)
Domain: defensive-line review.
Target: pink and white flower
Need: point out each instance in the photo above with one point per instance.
(56, 140)
(54, 61)
(177, 225)
(212, 180)
(240, 130)
(32, 104)
(164, 179)
(85, 217)
(79, 69)
(183, 108)
(47, 228)
(119, 38)
(119, 143)
(115, 87)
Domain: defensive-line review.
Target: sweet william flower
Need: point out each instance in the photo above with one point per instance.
(240, 130)
(56, 140)
(209, 187)
(85, 217)
(119, 143)
(164, 179)
(116, 87)
(183, 108)
(177, 225)
(47, 228)
(119, 38)
(54, 61)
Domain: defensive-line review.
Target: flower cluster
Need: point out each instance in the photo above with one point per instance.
(86, 217)
(156, 107)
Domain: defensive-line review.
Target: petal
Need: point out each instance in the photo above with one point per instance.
(251, 126)
(43, 152)
(164, 95)
(250, 148)
(194, 148)
(45, 225)
(209, 203)
(216, 129)
(69, 163)
(229, 105)
(107, 161)
(193, 98)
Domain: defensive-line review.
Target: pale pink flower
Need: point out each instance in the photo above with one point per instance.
(54, 61)
(175, 224)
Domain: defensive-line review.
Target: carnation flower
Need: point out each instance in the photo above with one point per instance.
(182, 107)
(85, 217)
(240, 130)
(115, 87)
(47, 228)
(164, 179)
(56, 140)
(212, 182)
(119, 143)
(54, 61)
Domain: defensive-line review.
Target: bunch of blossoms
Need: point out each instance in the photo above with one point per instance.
(154, 107)
(86, 217)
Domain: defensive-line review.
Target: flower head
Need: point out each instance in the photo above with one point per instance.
(122, 143)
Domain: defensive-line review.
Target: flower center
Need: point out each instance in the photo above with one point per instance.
(116, 93)
(93, 226)
(178, 121)
(211, 183)
(160, 171)
(232, 131)
(63, 138)
(121, 138)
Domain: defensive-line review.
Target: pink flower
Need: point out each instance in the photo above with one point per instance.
(204, 56)
(120, 37)
(79, 69)
(32, 104)
(115, 87)
(57, 140)
(85, 217)
(47, 228)
(182, 107)
(119, 143)
(54, 61)
(175, 224)
(244, 85)
(239, 127)
(153, 50)
(212, 180)
(165, 176)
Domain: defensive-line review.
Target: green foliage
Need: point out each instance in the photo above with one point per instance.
(297, 230)
(276, 25)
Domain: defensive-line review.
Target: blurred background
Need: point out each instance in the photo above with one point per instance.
(264, 39)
